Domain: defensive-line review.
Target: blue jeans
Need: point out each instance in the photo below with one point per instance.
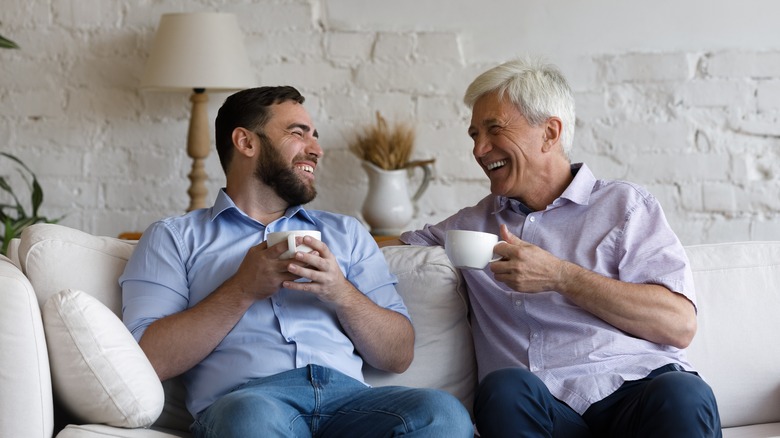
(320, 402)
(667, 403)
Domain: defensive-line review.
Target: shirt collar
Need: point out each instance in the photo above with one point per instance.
(223, 203)
(581, 186)
(578, 191)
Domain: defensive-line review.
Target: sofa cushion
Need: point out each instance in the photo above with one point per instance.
(735, 348)
(437, 301)
(103, 431)
(26, 405)
(55, 257)
(98, 369)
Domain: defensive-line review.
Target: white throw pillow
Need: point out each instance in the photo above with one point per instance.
(98, 369)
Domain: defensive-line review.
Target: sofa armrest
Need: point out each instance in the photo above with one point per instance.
(26, 404)
(738, 294)
(13, 251)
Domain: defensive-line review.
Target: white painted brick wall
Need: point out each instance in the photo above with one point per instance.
(691, 115)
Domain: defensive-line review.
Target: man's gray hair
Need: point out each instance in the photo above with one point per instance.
(539, 90)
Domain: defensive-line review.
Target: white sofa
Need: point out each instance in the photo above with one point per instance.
(68, 367)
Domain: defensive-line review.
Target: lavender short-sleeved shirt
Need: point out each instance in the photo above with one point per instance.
(614, 228)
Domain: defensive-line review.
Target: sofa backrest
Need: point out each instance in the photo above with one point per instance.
(55, 257)
(738, 293)
(736, 348)
(436, 297)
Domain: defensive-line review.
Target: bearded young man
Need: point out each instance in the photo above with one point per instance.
(261, 353)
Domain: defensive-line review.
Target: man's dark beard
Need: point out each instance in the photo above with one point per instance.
(280, 176)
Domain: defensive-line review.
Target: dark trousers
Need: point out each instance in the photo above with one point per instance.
(668, 403)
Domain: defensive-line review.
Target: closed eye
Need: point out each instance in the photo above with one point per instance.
(301, 130)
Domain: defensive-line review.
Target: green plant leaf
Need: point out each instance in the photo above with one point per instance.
(8, 233)
(14, 217)
(5, 43)
(36, 198)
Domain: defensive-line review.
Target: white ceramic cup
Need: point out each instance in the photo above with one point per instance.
(470, 249)
(280, 236)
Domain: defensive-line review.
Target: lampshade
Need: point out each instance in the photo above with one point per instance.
(198, 52)
(203, 50)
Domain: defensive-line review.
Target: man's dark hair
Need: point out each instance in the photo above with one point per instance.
(247, 109)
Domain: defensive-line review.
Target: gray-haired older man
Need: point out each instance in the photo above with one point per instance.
(580, 328)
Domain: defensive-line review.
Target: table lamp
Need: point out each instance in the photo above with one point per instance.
(198, 52)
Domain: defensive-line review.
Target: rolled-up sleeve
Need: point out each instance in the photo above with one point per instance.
(154, 283)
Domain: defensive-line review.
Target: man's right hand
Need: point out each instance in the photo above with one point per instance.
(261, 273)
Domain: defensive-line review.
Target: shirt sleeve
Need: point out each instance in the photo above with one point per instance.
(369, 273)
(154, 282)
(652, 252)
(479, 217)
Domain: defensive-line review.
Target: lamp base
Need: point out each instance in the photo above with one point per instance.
(198, 146)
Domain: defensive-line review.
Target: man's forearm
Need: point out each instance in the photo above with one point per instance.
(178, 342)
(649, 311)
(383, 337)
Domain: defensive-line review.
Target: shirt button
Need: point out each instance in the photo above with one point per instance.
(289, 339)
(518, 303)
(534, 335)
(532, 218)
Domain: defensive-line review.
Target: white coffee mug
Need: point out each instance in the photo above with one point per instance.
(470, 249)
(279, 236)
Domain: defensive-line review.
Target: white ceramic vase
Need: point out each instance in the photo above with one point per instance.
(389, 207)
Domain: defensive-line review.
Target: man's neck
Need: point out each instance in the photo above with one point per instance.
(260, 203)
(551, 185)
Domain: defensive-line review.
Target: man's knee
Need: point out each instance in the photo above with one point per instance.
(684, 398)
(513, 401)
(239, 414)
(511, 392)
(681, 390)
(437, 412)
(510, 385)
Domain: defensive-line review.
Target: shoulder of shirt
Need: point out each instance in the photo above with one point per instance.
(331, 216)
(626, 187)
(489, 203)
(176, 223)
(336, 220)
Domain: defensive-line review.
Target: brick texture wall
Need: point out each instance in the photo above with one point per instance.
(687, 106)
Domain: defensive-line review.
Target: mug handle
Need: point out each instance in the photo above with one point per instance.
(292, 248)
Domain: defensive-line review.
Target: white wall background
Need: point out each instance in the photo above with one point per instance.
(680, 96)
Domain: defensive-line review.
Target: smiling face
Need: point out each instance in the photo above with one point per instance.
(289, 152)
(509, 149)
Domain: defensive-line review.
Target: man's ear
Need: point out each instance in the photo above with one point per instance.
(245, 141)
(553, 128)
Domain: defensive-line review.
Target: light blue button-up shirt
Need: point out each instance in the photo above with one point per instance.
(614, 228)
(181, 260)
